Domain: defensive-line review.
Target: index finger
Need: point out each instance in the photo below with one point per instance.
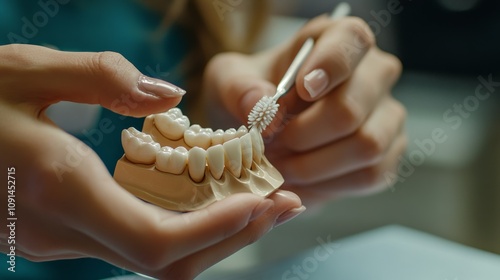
(340, 46)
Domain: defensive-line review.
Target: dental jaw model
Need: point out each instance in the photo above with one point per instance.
(185, 168)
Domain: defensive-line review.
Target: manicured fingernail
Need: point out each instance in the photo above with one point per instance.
(289, 215)
(316, 82)
(261, 209)
(159, 87)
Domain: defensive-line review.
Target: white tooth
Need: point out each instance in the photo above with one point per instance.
(139, 147)
(257, 144)
(246, 150)
(172, 160)
(229, 134)
(172, 123)
(218, 137)
(241, 131)
(215, 160)
(232, 152)
(195, 136)
(196, 163)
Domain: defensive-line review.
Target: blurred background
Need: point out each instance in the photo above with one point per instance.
(452, 192)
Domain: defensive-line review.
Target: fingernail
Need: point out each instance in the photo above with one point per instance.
(316, 82)
(261, 209)
(159, 87)
(289, 215)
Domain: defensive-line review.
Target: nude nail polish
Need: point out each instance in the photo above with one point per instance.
(316, 82)
(160, 88)
(289, 215)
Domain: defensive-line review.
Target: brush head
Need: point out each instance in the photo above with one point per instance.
(263, 113)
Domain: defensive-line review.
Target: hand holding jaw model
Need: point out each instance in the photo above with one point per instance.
(182, 167)
(70, 206)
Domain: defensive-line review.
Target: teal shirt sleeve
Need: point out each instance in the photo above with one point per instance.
(123, 26)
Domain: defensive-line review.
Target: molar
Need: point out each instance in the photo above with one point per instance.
(198, 136)
(172, 123)
(218, 137)
(139, 147)
(172, 160)
(229, 134)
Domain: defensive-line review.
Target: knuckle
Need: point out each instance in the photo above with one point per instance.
(363, 35)
(370, 147)
(107, 63)
(349, 115)
(256, 231)
(398, 111)
(393, 66)
(341, 62)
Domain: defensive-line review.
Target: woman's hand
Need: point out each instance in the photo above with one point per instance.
(68, 206)
(339, 130)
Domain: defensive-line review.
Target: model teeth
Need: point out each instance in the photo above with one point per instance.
(172, 123)
(218, 137)
(196, 136)
(193, 150)
(257, 145)
(139, 147)
(197, 162)
(246, 150)
(172, 160)
(215, 160)
(229, 134)
(232, 152)
(241, 131)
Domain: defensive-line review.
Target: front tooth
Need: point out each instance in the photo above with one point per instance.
(229, 134)
(172, 123)
(139, 147)
(172, 160)
(232, 151)
(241, 131)
(246, 150)
(196, 163)
(257, 144)
(215, 160)
(195, 136)
(218, 137)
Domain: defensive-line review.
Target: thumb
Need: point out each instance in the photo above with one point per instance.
(40, 75)
(236, 82)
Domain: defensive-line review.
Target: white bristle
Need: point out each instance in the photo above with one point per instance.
(263, 113)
